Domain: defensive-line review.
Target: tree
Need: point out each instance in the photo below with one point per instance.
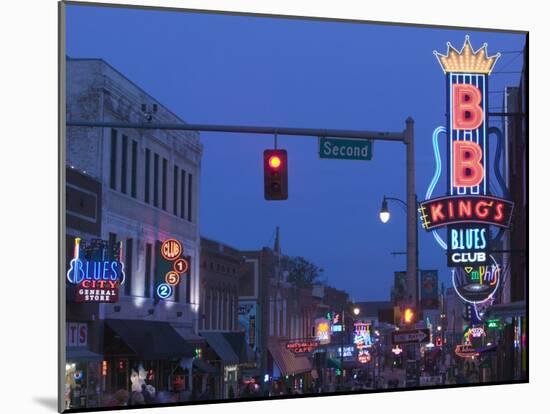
(301, 273)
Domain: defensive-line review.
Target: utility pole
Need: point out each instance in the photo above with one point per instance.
(412, 225)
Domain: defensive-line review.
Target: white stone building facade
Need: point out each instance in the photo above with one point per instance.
(150, 188)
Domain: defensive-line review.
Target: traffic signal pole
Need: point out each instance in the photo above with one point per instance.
(306, 132)
(406, 136)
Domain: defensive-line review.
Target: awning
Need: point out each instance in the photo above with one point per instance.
(335, 363)
(487, 349)
(288, 363)
(81, 354)
(204, 367)
(237, 340)
(506, 310)
(146, 339)
(221, 347)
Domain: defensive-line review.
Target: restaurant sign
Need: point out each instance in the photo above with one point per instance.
(302, 347)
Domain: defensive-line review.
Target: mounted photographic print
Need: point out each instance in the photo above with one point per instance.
(264, 207)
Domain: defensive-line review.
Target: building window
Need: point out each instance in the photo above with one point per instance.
(128, 267)
(124, 164)
(176, 175)
(112, 240)
(133, 190)
(182, 195)
(113, 158)
(156, 181)
(189, 198)
(164, 181)
(148, 260)
(147, 174)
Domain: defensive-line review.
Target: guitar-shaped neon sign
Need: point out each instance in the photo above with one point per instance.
(75, 274)
(81, 269)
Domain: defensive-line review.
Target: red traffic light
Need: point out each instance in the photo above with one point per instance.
(275, 174)
(274, 161)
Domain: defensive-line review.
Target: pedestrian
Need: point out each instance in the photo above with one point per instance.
(147, 397)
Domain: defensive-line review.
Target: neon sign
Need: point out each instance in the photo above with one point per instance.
(466, 351)
(302, 347)
(170, 268)
(362, 338)
(475, 284)
(322, 330)
(397, 350)
(468, 210)
(444, 211)
(493, 323)
(364, 356)
(474, 332)
(96, 270)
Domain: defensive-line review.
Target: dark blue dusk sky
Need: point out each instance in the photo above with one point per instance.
(245, 70)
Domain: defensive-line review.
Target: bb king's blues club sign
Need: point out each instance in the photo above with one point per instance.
(96, 271)
(468, 210)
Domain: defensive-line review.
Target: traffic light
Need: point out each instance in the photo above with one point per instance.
(408, 316)
(275, 175)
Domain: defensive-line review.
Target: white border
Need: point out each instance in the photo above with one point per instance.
(29, 108)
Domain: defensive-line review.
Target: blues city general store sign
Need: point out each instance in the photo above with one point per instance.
(96, 270)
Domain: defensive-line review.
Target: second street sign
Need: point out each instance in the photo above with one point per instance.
(416, 336)
(345, 149)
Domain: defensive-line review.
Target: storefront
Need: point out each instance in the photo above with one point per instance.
(507, 328)
(289, 373)
(82, 378)
(145, 354)
(227, 352)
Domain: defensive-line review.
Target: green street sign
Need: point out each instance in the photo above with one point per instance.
(345, 149)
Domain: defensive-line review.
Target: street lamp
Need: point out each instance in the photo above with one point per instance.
(356, 311)
(384, 212)
(412, 242)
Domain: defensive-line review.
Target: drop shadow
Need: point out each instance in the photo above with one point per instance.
(47, 402)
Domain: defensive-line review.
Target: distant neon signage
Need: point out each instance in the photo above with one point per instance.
(362, 340)
(322, 330)
(302, 347)
(364, 356)
(362, 337)
(493, 323)
(397, 350)
(96, 270)
(466, 351)
(474, 332)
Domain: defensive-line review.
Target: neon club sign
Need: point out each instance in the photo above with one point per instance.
(171, 251)
(468, 210)
(96, 270)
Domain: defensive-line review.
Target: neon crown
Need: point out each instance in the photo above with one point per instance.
(467, 61)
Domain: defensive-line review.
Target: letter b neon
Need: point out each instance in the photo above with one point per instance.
(467, 112)
(468, 170)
